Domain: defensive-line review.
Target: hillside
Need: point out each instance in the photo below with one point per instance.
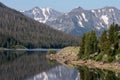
(17, 29)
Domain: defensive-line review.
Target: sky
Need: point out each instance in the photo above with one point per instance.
(60, 5)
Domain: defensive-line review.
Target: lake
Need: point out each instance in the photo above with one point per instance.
(33, 65)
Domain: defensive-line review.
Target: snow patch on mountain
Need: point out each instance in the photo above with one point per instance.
(38, 19)
(84, 17)
(105, 19)
(80, 23)
(79, 17)
(111, 10)
(98, 28)
(103, 10)
(22, 11)
(99, 11)
(35, 11)
(44, 14)
(93, 11)
(48, 10)
(101, 25)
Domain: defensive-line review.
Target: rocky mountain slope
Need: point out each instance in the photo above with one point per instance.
(42, 14)
(79, 20)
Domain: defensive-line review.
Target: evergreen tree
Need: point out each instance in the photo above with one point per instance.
(94, 41)
(102, 41)
(105, 43)
(108, 44)
(116, 39)
(117, 27)
(113, 38)
(111, 33)
(90, 43)
(82, 46)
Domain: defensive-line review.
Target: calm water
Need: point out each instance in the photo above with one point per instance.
(33, 65)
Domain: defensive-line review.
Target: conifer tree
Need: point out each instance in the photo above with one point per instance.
(108, 44)
(111, 33)
(116, 39)
(82, 46)
(113, 38)
(94, 41)
(102, 41)
(90, 43)
(87, 45)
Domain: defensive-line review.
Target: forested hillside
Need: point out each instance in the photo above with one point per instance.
(104, 48)
(17, 29)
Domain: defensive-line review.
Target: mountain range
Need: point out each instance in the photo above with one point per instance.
(18, 29)
(42, 14)
(78, 20)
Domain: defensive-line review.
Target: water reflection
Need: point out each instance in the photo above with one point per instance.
(21, 67)
(58, 73)
(97, 74)
(32, 65)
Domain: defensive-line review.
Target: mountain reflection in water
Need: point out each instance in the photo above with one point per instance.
(33, 65)
(58, 73)
(24, 66)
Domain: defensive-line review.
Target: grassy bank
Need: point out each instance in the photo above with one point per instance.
(68, 56)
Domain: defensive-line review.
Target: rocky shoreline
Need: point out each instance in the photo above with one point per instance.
(68, 56)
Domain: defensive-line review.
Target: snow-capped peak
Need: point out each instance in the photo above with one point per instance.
(22, 11)
(78, 20)
(42, 14)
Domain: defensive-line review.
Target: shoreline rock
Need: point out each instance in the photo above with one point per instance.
(68, 56)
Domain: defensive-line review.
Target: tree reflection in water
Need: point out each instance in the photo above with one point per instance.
(97, 74)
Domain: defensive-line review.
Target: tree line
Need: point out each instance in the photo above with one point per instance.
(106, 47)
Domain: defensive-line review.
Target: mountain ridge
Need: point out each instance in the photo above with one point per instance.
(42, 14)
(79, 20)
